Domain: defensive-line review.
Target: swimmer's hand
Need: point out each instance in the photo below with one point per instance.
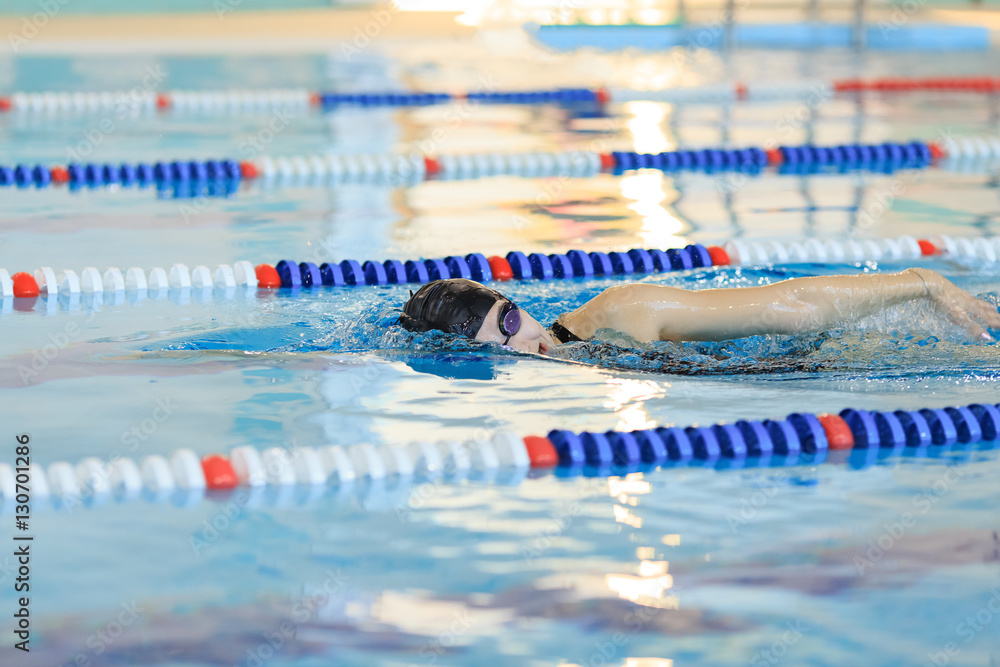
(965, 310)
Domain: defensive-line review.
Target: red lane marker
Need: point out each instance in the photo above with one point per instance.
(741, 91)
(315, 99)
(838, 433)
(541, 452)
(846, 85)
(603, 95)
(431, 166)
(59, 175)
(774, 157)
(248, 170)
(926, 247)
(500, 268)
(607, 161)
(219, 473)
(936, 151)
(719, 255)
(267, 276)
(4, 104)
(163, 101)
(25, 286)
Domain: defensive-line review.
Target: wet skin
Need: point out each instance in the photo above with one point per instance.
(530, 337)
(799, 305)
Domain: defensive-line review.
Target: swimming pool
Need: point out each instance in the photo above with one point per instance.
(845, 562)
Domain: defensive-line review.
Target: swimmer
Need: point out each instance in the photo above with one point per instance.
(658, 312)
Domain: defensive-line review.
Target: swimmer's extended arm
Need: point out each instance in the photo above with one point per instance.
(800, 305)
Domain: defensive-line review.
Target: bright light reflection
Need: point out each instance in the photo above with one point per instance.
(635, 588)
(474, 10)
(646, 126)
(623, 515)
(627, 400)
(617, 17)
(659, 226)
(672, 540)
(653, 568)
(633, 483)
(636, 662)
(650, 16)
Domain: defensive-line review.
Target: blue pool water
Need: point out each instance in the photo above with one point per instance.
(849, 561)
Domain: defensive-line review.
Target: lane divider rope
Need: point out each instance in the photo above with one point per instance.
(225, 279)
(249, 101)
(798, 438)
(225, 175)
(222, 177)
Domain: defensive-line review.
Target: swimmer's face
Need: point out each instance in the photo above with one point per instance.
(530, 337)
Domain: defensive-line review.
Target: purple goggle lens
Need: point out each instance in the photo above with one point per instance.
(510, 320)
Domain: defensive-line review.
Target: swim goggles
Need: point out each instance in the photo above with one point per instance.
(508, 321)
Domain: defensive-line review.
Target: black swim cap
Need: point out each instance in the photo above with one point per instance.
(455, 305)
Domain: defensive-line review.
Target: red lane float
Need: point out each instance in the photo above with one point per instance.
(864, 437)
(25, 286)
(719, 255)
(541, 452)
(838, 433)
(219, 472)
(574, 264)
(500, 268)
(267, 276)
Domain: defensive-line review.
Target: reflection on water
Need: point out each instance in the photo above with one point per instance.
(643, 570)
